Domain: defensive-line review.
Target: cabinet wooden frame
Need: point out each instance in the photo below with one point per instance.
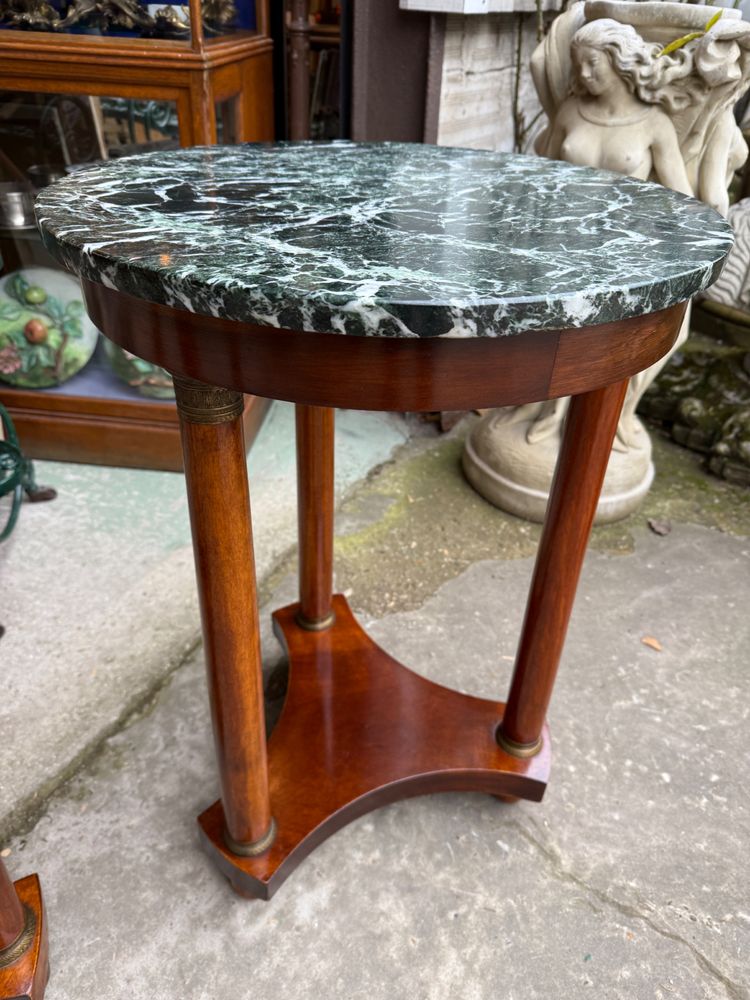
(197, 74)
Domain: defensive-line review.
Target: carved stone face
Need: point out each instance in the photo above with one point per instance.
(594, 69)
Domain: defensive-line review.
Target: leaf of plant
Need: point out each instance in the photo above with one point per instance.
(9, 310)
(16, 286)
(72, 327)
(53, 308)
(679, 42)
(714, 19)
(648, 640)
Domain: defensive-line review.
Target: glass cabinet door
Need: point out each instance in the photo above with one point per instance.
(131, 18)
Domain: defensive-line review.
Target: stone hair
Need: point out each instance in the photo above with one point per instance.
(636, 61)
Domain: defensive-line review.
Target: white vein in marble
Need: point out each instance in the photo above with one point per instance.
(390, 240)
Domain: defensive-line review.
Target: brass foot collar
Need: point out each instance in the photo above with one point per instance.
(518, 749)
(22, 943)
(315, 626)
(256, 847)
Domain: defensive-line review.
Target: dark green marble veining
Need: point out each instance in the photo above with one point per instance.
(388, 240)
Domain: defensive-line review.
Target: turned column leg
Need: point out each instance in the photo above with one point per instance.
(315, 426)
(219, 502)
(587, 441)
(24, 966)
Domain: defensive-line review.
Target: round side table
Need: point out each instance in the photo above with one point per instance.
(383, 277)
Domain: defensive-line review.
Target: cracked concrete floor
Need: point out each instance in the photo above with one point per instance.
(630, 880)
(97, 593)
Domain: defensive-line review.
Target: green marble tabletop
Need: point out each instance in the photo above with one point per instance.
(387, 240)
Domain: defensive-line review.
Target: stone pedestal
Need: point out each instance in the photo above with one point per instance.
(505, 462)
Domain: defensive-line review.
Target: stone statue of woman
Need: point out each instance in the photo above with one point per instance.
(615, 101)
(610, 120)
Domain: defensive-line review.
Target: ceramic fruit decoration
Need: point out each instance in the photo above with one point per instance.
(147, 379)
(45, 334)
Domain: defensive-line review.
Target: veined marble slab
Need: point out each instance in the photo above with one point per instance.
(388, 240)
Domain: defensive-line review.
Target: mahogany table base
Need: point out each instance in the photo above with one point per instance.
(24, 966)
(359, 730)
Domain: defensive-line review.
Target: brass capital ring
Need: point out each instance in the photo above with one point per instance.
(199, 403)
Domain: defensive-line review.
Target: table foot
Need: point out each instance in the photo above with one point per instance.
(24, 966)
(360, 730)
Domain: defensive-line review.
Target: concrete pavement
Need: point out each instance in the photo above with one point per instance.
(630, 880)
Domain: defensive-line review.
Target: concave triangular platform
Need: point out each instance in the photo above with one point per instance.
(359, 730)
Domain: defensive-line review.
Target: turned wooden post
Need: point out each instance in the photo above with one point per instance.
(11, 911)
(219, 502)
(299, 72)
(590, 429)
(315, 449)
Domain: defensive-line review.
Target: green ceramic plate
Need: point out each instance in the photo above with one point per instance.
(45, 334)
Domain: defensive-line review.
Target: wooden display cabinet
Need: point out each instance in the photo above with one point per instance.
(232, 72)
(220, 85)
(94, 417)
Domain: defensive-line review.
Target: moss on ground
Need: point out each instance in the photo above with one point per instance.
(683, 493)
(417, 523)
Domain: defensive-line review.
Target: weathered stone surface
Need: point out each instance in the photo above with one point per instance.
(703, 398)
(98, 594)
(617, 98)
(626, 880)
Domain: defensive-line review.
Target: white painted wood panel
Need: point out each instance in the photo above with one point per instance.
(479, 80)
(478, 6)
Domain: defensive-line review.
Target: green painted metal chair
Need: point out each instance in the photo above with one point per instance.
(16, 476)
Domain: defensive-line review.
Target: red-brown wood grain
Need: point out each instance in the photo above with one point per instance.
(359, 730)
(219, 502)
(376, 373)
(579, 368)
(138, 433)
(587, 441)
(315, 430)
(197, 75)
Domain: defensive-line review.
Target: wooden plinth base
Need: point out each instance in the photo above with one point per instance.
(25, 977)
(358, 731)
